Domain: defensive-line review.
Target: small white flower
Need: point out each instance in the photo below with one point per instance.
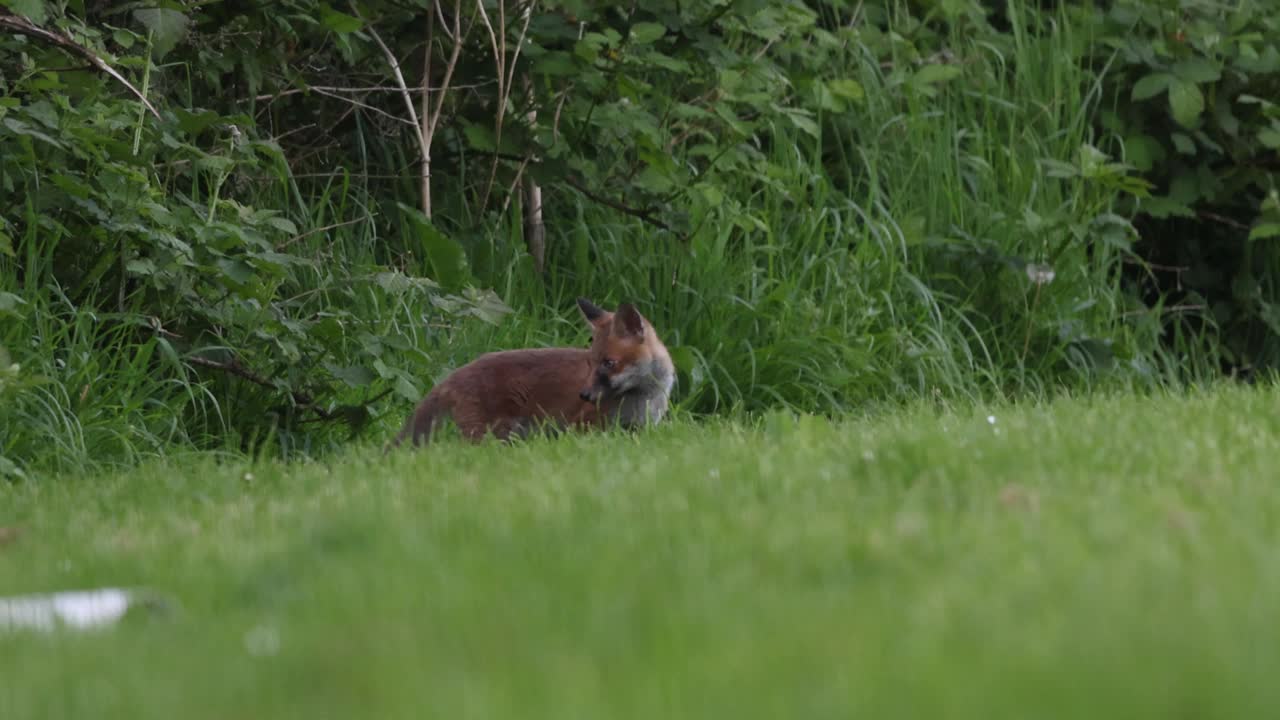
(263, 640)
(1040, 274)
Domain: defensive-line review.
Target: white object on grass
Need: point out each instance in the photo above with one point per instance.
(81, 609)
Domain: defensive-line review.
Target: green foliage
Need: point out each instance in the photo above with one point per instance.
(822, 206)
(1192, 86)
(131, 246)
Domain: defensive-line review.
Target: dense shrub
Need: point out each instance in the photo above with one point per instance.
(1191, 103)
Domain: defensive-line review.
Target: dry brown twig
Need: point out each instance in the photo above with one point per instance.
(505, 72)
(428, 121)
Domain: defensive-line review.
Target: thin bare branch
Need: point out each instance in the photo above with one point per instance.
(395, 70)
(449, 67)
(313, 231)
(368, 90)
(366, 106)
(645, 215)
(20, 24)
(234, 367)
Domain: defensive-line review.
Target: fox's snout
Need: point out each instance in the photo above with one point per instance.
(600, 384)
(593, 392)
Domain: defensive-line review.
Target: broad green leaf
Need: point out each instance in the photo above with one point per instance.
(654, 179)
(339, 22)
(34, 10)
(1183, 144)
(194, 123)
(711, 194)
(237, 271)
(1163, 207)
(396, 282)
(72, 185)
(1058, 169)
(1270, 137)
(556, 64)
(479, 137)
(847, 88)
(1265, 230)
(934, 74)
(167, 27)
(685, 359)
(405, 388)
(805, 123)
(1143, 152)
(6, 244)
(446, 256)
(647, 32)
(140, 266)
(667, 62)
(21, 128)
(1197, 70)
(1227, 120)
(281, 260)
(1186, 101)
(487, 306)
(1151, 85)
(354, 375)
(44, 112)
(284, 225)
(828, 100)
(123, 38)
(9, 302)
(1247, 99)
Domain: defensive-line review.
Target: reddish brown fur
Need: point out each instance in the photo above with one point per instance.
(511, 393)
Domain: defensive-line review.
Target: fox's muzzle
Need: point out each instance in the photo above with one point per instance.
(597, 389)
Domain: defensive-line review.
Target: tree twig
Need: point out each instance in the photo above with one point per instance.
(645, 215)
(234, 367)
(20, 24)
(359, 90)
(1222, 219)
(309, 233)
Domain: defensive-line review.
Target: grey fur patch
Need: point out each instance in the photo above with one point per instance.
(645, 388)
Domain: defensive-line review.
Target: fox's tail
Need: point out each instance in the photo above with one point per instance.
(424, 420)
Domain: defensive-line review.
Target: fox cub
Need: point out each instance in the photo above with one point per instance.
(625, 377)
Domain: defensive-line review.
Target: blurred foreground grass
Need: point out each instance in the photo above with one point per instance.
(1116, 557)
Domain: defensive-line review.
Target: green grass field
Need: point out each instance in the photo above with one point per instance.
(1111, 556)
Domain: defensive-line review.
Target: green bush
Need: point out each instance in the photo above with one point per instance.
(1191, 103)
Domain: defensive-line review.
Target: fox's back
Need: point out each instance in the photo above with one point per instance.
(530, 373)
(509, 391)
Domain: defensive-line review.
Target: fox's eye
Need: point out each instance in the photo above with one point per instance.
(608, 363)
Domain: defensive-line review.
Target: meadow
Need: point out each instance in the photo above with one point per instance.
(1105, 556)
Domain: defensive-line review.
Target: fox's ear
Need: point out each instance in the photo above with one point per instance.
(627, 321)
(589, 310)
